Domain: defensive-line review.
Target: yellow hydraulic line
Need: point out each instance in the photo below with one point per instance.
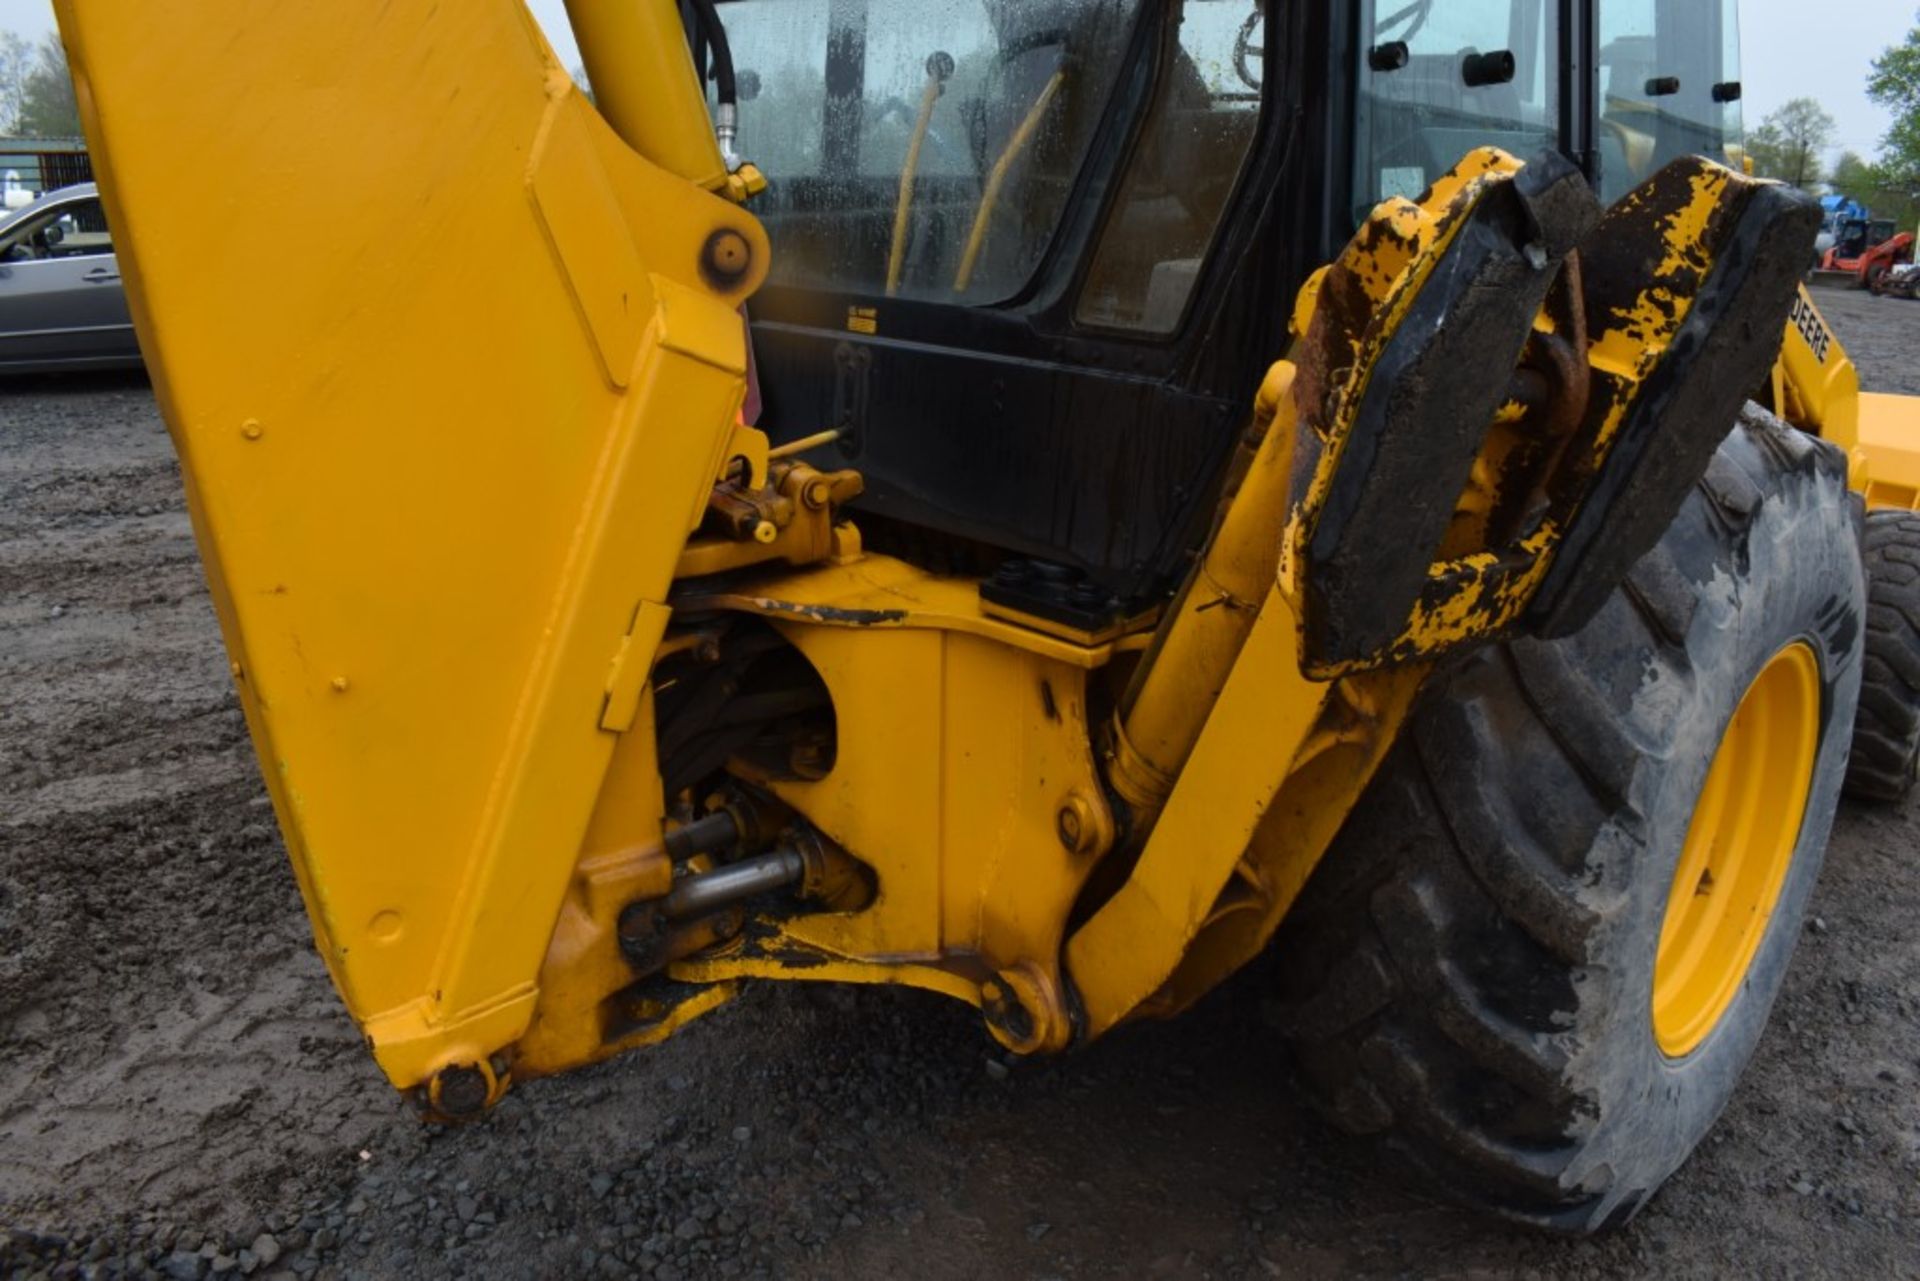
(1010, 153)
(644, 84)
(903, 205)
(1200, 641)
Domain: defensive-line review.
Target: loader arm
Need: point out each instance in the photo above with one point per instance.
(580, 704)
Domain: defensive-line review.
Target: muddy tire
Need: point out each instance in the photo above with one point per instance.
(1470, 971)
(1886, 734)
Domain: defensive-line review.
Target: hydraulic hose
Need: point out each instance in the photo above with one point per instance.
(995, 180)
(726, 116)
(939, 67)
(714, 32)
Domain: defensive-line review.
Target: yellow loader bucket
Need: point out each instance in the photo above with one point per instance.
(450, 384)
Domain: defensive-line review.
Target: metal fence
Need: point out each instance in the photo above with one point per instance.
(42, 164)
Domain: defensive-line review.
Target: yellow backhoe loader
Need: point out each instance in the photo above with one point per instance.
(1039, 501)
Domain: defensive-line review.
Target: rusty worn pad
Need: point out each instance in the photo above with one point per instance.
(1413, 395)
(1438, 371)
(1740, 272)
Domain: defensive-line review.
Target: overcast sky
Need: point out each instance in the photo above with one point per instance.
(1794, 48)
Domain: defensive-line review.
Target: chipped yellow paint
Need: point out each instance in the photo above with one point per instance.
(1470, 597)
(1636, 340)
(1474, 591)
(1686, 226)
(1391, 258)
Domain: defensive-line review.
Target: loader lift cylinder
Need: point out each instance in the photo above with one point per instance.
(1201, 640)
(644, 83)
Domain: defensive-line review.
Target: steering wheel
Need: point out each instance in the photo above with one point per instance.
(1246, 51)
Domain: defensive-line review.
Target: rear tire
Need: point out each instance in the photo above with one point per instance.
(1470, 971)
(1886, 734)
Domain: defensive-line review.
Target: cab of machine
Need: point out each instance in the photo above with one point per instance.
(1104, 208)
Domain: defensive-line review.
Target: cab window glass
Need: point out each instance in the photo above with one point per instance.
(1438, 78)
(1183, 170)
(76, 230)
(920, 148)
(1669, 87)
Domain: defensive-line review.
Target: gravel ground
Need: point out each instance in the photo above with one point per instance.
(181, 1094)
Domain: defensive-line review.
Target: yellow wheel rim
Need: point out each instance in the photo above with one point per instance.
(1738, 849)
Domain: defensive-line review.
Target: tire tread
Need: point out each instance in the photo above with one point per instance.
(1886, 732)
(1427, 966)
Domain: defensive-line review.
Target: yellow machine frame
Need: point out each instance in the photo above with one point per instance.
(450, 478)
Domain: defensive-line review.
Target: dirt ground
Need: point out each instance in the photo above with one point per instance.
(182, 1095)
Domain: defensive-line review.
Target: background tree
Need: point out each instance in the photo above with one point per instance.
(1886, 191)
(16, 62)
(1854, 177)
(1895, 85)
(1790, 142)
(47, 108)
